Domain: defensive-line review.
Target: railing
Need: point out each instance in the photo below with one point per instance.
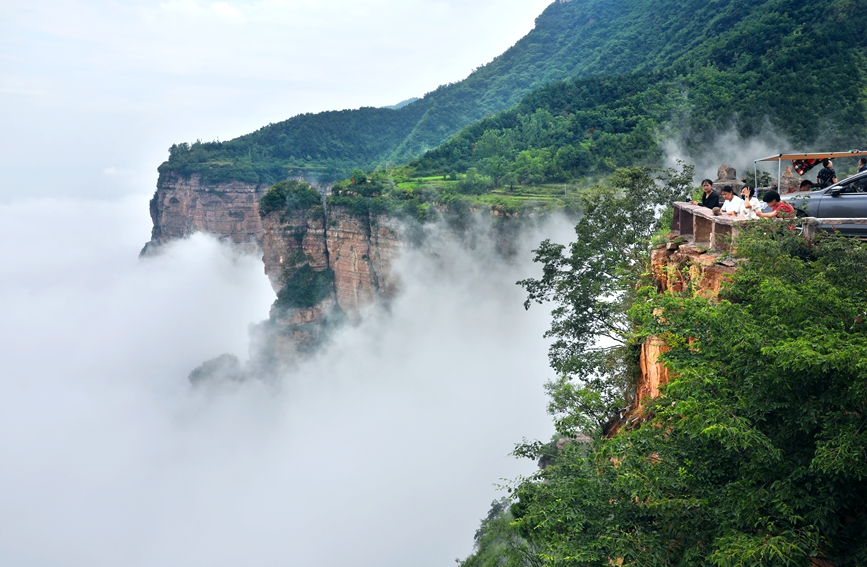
(700, 225)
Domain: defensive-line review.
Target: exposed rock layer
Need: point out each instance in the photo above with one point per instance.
(183, 206)
(352, 253)
(359, 249)
(675, 268)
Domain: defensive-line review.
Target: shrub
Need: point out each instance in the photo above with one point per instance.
(305, 288)
(289, 196)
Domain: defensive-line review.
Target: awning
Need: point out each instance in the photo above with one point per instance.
(828, 155)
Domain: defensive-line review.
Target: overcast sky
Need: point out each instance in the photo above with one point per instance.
(92, 93)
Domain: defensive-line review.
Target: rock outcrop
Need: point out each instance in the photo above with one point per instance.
(677, 268)
(183, 206)
(727, 176)
(326, 265)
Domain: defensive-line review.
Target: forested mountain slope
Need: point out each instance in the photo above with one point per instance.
(800, 63)
(795, 67)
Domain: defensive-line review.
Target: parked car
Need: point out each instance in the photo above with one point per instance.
(844, 199)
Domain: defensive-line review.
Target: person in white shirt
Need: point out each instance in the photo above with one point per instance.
(750, 203)
(731, 204)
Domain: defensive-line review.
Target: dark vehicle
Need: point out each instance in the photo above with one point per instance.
(844, 199)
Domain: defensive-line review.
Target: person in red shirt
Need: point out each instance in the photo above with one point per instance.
(779, 209)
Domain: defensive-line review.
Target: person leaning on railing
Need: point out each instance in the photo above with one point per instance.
(710, 199)
(750, 204)
(779, 209)
(731, 202)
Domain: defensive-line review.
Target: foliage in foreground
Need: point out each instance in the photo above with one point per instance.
(592, 285)
(756, 453)
(497, 544)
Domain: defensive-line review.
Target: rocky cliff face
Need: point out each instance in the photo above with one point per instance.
(678, 268)
(358, 251)
(182, 206)
(675, 268)
(326, 265)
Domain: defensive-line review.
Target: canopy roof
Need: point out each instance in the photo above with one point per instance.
(829, 155)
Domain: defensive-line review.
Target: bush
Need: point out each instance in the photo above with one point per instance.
(289, 196)
(306, 288)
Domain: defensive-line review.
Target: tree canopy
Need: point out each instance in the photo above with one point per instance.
(755, 452)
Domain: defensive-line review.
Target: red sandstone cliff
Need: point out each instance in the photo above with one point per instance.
(181, 207)
(356, 254)
(677, 268)
(359, 249)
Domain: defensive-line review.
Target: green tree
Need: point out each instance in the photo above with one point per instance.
(591, 283)
(498, 544)
(756, 451)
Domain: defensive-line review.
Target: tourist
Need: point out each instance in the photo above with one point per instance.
(779, 209)
(709, 199)
(750, 204)
(862, 183)
(827, 176)
(731, 203)
(806, 185)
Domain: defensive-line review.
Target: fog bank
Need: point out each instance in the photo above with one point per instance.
(381, 451)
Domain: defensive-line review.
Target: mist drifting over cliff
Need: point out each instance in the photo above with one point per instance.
(380, 451)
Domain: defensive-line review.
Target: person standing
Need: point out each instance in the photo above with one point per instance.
(827, 176)
(709, 199)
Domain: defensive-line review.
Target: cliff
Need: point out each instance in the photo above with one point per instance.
(182, 206)
(681, 265)
(326, 265)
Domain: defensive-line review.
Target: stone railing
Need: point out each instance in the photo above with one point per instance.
(700, 225)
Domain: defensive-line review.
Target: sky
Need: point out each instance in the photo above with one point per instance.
(93, 93)
(384, 450)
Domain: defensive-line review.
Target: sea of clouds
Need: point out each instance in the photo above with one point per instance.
(384, 450)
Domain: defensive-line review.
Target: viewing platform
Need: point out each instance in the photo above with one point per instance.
(700, 225)
(716, 232)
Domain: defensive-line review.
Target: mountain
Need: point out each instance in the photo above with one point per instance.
(403, 103)
(329, 145)
(794, 67)
(800, 64)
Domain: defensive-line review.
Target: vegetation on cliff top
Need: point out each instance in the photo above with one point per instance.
(689, 68)
(756, 451)
(289, 196)
(428, 198)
